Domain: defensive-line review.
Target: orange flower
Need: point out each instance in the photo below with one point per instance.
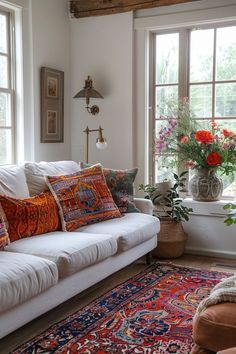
(227, 133)
(213, 159)
(204, 136)
(184, 139)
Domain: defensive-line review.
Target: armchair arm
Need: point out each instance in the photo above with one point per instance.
(144, 205)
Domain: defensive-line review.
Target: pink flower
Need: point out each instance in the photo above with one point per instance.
(227, 133)
(214, 124)
(190, 164)
(184, 99)
(184, 139)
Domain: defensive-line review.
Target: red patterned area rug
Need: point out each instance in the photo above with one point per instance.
(150, 313)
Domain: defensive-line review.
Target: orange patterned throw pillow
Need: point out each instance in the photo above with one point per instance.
(4, 238)
(83, 198)
(30, 216)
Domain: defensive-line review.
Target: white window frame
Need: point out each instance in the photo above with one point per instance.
(10, 55)
(183, 79)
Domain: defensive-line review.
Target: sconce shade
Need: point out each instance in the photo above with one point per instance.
(88, 91)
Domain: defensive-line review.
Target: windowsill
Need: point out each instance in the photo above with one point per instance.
(207, 208)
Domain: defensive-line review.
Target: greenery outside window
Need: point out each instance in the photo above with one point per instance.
(199, 63)
(7, 120)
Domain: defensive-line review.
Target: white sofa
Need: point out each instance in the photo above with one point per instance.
(41, 272)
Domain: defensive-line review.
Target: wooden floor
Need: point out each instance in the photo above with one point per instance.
(37, 326)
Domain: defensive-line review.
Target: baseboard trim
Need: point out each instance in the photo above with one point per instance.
(210, 253)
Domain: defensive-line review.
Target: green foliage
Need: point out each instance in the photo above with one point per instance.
(231, 216)
(170, 202)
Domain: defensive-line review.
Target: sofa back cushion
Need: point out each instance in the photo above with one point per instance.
(13, 182)
(83, 198)
(35, 172)
(30, 216)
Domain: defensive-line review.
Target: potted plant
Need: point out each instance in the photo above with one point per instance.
(171, 211)
(207, 149)
(231, 216)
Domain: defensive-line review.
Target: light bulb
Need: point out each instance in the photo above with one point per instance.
(101, 145)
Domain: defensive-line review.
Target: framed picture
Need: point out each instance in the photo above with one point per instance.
(52, 105)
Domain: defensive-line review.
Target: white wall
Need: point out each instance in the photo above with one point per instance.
(102, 47)
(51, 48)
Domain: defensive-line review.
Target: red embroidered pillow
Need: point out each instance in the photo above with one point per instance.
(4, 238)
(83, 198)
(30, 216)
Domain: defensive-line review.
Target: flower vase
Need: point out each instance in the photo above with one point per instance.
(205, 185)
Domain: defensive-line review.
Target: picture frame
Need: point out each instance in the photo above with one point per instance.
(52, 105)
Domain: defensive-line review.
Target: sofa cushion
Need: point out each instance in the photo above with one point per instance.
(120, 183)
(83, 198)
(13, 182)
(215, 328)
(30, 216)
(35, 172)
(23, 276)
(70, 251)
(130, 230)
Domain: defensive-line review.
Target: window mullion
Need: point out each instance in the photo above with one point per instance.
(214, 76)
(184, 44)
(183, 63)
(152, 106)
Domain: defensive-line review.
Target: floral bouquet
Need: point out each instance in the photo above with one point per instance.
(211, 148)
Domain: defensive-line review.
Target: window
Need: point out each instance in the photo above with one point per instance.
(199, 64)
(7, 140)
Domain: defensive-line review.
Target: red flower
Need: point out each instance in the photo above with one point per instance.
(204, 136)
(213, 159)
(227, 133)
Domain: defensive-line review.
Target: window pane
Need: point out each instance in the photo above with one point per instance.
(165, 98)
(3, 34)
(164, 167)
(225, 105)
(229, 185)
(201, 100)
(3, 72)
(226, 53)
(5, 109)
(167, 58)
(201, 55)
(5, 147)
(229, 124)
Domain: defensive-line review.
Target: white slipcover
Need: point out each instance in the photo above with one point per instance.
(35, 172)
(13, 181)
(129, 230)
(71, 251)
(23, 276)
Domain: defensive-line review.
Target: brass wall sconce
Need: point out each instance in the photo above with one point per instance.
(101, 143)
(89, 92)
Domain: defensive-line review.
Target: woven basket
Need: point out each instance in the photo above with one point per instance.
(171, 240)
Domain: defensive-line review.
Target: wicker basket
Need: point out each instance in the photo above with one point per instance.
(171, 240)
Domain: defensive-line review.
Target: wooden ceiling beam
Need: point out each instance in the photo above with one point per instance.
(87, 8)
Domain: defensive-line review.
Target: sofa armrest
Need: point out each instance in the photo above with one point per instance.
(144, 205)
